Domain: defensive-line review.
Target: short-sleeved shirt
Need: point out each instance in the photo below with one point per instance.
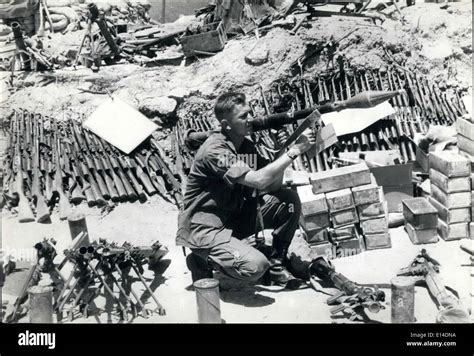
(213, 199)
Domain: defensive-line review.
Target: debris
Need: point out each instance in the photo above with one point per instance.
(158, 106)
(258, 55)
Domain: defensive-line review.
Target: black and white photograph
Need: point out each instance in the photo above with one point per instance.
(236, 162)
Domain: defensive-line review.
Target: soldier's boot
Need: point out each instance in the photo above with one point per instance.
(279, 273)
(199, 267)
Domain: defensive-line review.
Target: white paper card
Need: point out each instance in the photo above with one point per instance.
(120, 124)
(355, 120)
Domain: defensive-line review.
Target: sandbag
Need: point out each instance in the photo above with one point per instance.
(5, 30)
(58, 3)
(144, 3)
(66, 11)
(60, 22)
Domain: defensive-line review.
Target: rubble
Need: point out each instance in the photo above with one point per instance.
(158, 106)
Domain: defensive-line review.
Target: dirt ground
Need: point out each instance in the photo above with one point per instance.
(438, 44)
(240, 303)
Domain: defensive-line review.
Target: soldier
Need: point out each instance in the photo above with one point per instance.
(222, 196)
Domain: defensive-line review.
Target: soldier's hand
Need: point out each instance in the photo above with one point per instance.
(306, 140)
(281, 136)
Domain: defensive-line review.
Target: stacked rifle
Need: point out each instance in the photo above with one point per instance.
(100, 265)
(424, 105)
(107, 265)
(58, 162)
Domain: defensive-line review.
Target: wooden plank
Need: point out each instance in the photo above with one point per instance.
(450, 163)
(451, 200)
(311, 204)
(340, 178)
(451, 216)
(420, 213)
(453, 231)
(419, 237)
(377, 241)
(340, 200)
(450, 185)
(471, 230)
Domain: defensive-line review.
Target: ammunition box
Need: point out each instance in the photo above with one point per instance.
(315, 222)
(340, 200)
(374, 226)
(311, 204)
(450, 164)
(344, 217)
(451, 200)
(317, 236)
(420, 213)
(371, 210)
(377, 241)
(450, 185)
(366, 194)
(343, 233)
(419, 237)
(451, 216)
(453, 231)
(340, 178)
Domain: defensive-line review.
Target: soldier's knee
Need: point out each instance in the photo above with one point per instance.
(254, 268)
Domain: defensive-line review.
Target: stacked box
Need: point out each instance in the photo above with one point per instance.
(314, 215)
(372, 215)
(343, 214)
(465, 130)
(421, 221)
(451, 193)
(339, 205)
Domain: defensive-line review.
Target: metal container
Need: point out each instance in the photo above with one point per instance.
(403, 300)
(208, 304)
(41, 305)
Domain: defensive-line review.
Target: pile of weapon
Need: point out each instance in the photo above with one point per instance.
(103, 264)
(352, 298)
(425, 270)
(100, 265)
(51, 161)
(425, 104)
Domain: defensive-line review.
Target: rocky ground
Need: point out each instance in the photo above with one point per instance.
(435, 39)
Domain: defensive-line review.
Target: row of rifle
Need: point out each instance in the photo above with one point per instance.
(58, 162)
(424, 105)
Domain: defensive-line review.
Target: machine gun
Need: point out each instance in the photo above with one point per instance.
(352, 298)
(425, 270)
(99, 261)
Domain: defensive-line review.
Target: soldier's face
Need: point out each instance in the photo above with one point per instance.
(239, 121)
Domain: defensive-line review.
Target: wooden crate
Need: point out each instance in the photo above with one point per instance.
(211, 40)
